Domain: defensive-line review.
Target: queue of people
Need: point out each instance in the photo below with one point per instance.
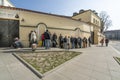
(106, 41)
(48, 40)
(67, 42)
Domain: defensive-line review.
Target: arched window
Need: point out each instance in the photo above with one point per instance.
(78, 32)
(41, 28)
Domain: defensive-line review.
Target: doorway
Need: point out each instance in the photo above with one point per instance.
(9, 29)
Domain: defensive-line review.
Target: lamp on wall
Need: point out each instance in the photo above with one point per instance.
(16, 16)
(22, 20)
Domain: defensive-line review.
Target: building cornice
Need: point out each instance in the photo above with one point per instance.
(62, 16)
(8, 19)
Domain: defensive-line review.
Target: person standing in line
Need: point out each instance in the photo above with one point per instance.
(54, 40)
(33, 36)
(89, 41)
(61, 41)
(84, 42)
(34, 40)
(65, 42)
(60, 36)
(47, 39)
(29, 37)
(102, 41)
(50, 40)
(43, 40)
(72, 40)
(79, 40)
(68, 42)
(75, 42)
(106, 41)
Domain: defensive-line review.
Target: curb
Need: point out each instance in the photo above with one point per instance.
(37, 73)
(117, 60)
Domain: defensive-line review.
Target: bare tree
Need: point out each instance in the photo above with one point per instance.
(105, 21)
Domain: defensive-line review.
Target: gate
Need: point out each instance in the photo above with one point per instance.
(9, 29)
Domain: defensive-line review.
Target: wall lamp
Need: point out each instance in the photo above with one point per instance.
(16, 16)
(22, 20)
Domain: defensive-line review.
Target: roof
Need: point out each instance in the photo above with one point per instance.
(62, 16)
(112, 30)
(87, 11)
(21, 9)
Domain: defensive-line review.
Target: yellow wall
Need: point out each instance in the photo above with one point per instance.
(24, 32)
(52, 21)
(60, 25)
(97, 20)
(93, 20)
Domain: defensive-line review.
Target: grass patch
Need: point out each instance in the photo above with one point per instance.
(118, 58)
(45, 61)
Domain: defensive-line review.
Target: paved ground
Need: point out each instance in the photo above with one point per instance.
(96, 63)
(12, 69)
(116, 45)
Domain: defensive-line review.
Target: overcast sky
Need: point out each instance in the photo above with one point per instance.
(67, 7)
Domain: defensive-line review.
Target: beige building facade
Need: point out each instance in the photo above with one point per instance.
(27, 20)
(91, 17)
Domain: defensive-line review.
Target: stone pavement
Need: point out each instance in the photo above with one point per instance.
(13, 69)
(96, 63)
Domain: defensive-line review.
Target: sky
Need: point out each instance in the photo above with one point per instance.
(68, 7)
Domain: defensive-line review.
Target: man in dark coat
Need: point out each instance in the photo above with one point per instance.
(89, 41)
(61, 41)
(79, 40)
(47, 39)
(106, 41)
(54, 40)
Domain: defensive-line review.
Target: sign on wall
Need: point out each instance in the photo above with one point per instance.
(7, 14)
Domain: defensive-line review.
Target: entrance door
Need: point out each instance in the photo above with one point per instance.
(9, 29)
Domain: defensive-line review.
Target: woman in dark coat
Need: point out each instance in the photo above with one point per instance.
(106, 41)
